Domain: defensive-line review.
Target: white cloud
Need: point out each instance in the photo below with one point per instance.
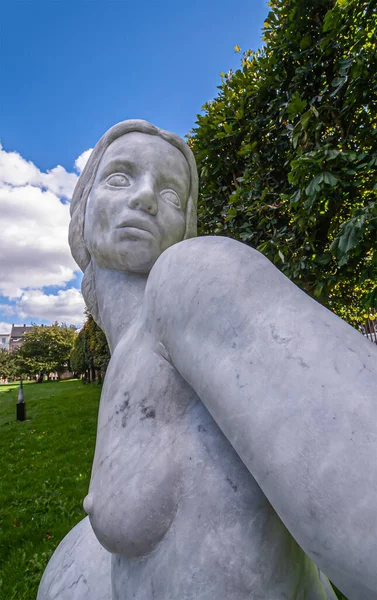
(81, 161)
(5, 327)
(7, 310)
(16, 171)
(59, 182)
(67, 306)
(34, 251)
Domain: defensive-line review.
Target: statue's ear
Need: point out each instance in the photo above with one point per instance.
(191, 219)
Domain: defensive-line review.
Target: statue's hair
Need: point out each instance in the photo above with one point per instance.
(84, 185)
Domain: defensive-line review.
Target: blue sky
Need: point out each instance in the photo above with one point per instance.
(70, 70)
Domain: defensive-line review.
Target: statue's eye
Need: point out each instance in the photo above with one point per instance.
(118, 180)
(171, 196)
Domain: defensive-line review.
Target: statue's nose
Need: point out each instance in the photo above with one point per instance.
(144, 198)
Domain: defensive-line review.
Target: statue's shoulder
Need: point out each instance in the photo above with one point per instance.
(206, 274)
(196, 261)
(207, 251)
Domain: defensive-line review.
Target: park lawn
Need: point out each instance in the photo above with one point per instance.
(45, 465)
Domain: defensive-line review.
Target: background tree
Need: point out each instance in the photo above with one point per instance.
(98, 344)
(46, 349)
(9, 367)
(80, 355)
(287, 151)
(91, 354)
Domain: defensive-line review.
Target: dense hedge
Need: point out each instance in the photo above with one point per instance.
(287, 151)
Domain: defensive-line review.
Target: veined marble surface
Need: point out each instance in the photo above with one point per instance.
(237, 433)
(79, 569)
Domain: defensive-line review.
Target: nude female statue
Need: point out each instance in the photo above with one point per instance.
(236, 442)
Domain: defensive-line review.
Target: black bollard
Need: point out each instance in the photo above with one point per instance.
(21, 415)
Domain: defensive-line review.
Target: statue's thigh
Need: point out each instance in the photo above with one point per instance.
(80, 568)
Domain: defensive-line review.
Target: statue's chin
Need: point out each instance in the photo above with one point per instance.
(137, 260)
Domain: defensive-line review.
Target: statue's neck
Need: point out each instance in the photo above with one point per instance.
(119, 297)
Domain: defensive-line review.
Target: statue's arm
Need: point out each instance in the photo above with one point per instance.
(293, 388)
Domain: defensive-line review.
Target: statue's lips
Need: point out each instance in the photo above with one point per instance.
(135, 227)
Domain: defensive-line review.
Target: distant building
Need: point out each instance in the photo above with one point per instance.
(16, 336)
(4, 341)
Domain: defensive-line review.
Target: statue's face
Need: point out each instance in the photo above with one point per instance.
(136, 208)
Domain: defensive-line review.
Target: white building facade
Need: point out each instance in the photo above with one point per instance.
(4, 341)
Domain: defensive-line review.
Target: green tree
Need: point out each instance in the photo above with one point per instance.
(80, 354)
(9, 367)
(98, 344)
(91, 352)
(287, 151)
(46, 349)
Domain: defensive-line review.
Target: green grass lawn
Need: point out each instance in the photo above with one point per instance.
(45, 467)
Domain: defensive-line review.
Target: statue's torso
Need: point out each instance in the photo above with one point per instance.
(172, 500)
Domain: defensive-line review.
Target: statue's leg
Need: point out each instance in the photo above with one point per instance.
(80, 568)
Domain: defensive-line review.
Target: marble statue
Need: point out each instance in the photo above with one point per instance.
(236, 452)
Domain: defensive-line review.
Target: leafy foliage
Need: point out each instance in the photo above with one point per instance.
(46, 349)
(91, 351)
(8, 364)
(287, 151)
(80, 354)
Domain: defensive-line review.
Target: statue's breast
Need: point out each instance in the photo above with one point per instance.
(137, 469)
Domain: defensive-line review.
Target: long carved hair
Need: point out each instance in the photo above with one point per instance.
(83, 188)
